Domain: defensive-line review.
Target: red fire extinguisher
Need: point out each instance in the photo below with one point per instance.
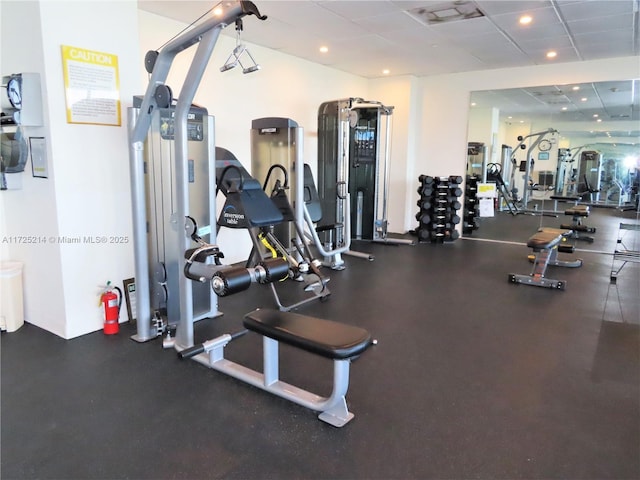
(112, 304)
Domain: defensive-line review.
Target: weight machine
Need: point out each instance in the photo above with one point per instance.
(187, 205)
(197, 259)
(528, 165)
(515, 204)
(354, 145)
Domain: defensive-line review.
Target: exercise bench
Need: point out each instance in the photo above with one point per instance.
(336, 341)
(546, 243)
(564, 198)
(578, 212)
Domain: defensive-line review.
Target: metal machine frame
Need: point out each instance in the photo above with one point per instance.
(345, 144)
(205, 35)
(538, 137)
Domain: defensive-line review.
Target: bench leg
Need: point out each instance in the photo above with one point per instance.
(338, 415)
(537, 276)
(333, 409)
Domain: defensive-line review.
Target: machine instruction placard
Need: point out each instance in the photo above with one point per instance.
(92, 86)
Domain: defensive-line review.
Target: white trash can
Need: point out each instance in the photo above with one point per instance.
(11, 299)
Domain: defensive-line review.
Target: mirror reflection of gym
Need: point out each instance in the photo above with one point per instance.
(593, 156)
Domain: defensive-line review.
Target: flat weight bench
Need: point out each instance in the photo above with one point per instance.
(578, 212)
(336, 341)
(546, 243)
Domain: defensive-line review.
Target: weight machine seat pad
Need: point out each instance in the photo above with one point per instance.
(327, 338)
(578, 211)
(544, 240)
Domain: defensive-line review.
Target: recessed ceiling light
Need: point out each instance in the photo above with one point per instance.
(595, 115)
(509, 117)
(583, 99)
(564, 108)
(575, 88)
(386, 71)
(521, 121)
(217, 11)
(324, 49)
(599, 120)
(525, 20)
(473, 104)
(552, 54)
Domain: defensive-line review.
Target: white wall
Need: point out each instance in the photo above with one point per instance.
(87, 192)
(31, 213)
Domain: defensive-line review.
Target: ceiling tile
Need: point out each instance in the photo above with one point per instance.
(274, 34)
(464, 28)
(539, 55)
(359, 9)
(541, 18)
(605, 50)
(384, 23)
(496, 7)
(601, 24)
(616, 38)
(484, 43)
(546, 44)
(419, 36)
(534, 33)
(584, 10)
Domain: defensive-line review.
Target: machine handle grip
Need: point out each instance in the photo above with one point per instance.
(191, 351)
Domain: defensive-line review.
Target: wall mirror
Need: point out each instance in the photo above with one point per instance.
(577, 140)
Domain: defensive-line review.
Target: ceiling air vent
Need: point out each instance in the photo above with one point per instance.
(446, 12)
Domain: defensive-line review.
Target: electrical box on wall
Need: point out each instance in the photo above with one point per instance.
(22, 100)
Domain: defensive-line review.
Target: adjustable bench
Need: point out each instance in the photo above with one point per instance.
(563, 198)
(336, 341)
(578, 212)
(546, 243)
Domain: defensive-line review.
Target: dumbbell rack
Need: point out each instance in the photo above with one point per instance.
(438, 205)
(471, 215)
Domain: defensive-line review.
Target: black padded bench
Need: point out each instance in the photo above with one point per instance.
(336, 341)
(578, 212)
(546, 242)
(327, 338)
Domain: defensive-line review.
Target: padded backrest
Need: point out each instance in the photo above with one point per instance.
(246, 203)
(310, 194)
(238, 175)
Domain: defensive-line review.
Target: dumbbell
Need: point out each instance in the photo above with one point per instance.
(425, 179)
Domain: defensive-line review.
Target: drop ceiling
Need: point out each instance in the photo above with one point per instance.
(366, 37)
